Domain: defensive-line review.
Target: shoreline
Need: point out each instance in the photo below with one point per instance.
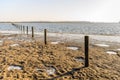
(68, 36)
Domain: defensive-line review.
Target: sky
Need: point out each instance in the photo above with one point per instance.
(60, 10)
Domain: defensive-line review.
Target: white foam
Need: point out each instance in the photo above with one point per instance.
(13, 45)
(54, 42)
(102, 45)
(50, 71)
(72, 48)
(92, 37)
(14, 67)
(111, 52)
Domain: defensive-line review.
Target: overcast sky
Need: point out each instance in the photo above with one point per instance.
(60, 10)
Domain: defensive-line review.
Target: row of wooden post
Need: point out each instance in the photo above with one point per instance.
(86, 43)
(22, 28)
(32, 28)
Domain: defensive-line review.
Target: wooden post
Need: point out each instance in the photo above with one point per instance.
(27, 30)
(19, 27)
(32, 32)
(23, 29)
(86, 51)
(45, 36)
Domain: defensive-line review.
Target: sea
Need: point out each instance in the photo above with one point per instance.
(68, 27)
(98, 31)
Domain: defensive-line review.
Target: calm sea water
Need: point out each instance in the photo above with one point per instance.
(75, 28)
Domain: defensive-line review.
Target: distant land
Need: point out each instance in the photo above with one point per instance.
(53, 22)
(45, 21)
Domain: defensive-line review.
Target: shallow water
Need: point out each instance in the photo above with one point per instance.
(118, 49)
(1, 42)
(111, 52)
(102, 45)
(50, 70)
(80, 59)
(73, 48)
(55, 42)
(13, 67)
(14, 45)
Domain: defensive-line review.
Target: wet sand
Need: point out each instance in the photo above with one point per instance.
(32, 60)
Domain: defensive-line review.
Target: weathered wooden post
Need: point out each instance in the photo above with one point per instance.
(19, 27)
(86, 51)
(32, 32)
(23, 29)
(27, 30)
(45, 36)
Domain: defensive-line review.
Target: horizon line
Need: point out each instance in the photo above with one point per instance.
(59, 21)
